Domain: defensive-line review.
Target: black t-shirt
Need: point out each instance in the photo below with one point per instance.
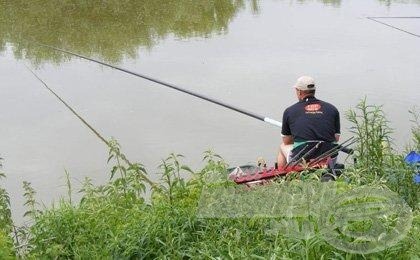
(311, 119)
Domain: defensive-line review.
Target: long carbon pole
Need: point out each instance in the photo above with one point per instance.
(394, 27)
(169, 85)
(122, 156)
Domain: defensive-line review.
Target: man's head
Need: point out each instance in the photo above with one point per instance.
(305, 87)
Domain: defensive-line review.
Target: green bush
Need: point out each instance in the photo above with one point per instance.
(5, 213)
(6, 246)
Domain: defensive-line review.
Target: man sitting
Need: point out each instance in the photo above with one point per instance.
(309, 120)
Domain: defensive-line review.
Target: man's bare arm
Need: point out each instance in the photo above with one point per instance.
(287, 139)
(337, 137)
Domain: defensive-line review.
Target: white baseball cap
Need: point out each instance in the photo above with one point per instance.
(305, 83)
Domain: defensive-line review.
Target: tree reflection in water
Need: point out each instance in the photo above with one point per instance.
(109, 29)
(114, 29)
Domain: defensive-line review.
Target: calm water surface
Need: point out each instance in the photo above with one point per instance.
(247, 53)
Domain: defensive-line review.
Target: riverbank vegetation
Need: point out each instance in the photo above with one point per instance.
(6, 244)
(115, 220)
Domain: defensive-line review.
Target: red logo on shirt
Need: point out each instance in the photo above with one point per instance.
(312, 108)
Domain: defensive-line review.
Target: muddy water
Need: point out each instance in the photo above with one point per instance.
(246, 53)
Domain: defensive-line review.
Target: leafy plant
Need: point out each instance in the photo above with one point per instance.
(29, 195)
(371, 128)
(6, 246)
(377, 162)
(173, 184)
(6, 223)
(5, 213)
(415, 129)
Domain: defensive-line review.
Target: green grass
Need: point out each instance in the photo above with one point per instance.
(6, 246)
(6, 243)
(115, 221)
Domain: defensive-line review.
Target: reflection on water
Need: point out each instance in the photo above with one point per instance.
(389, 2)
(337, 3)
(110, 29)
(114, 29)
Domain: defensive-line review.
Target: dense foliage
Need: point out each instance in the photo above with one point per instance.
(111, 222)
(377, 161)
(6, 244)
(115, 221)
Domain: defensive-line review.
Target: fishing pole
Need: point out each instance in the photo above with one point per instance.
(296, 156)
(334, 150)
(394, 27)
(172, 86)
(306, 154)
(395, 17)
(90, 127)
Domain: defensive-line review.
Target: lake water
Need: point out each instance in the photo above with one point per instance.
(246, 53)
